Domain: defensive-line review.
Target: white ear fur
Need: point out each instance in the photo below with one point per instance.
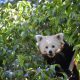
(60, 36)
(38, 38)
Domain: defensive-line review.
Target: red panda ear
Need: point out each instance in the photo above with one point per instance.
(60, 36)
(38, 38)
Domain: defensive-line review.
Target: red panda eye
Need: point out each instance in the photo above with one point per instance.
(46, 47)
(53, 46)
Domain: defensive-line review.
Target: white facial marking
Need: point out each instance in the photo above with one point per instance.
(50, 45)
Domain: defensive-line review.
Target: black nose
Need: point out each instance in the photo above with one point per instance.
(50, 52)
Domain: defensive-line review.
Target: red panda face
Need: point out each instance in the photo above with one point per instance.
(50, 45)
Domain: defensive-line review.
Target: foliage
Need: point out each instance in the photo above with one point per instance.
(20, 22)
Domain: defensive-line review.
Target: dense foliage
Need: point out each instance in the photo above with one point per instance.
(20, 22)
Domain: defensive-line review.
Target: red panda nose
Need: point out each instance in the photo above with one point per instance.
(50, 52)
